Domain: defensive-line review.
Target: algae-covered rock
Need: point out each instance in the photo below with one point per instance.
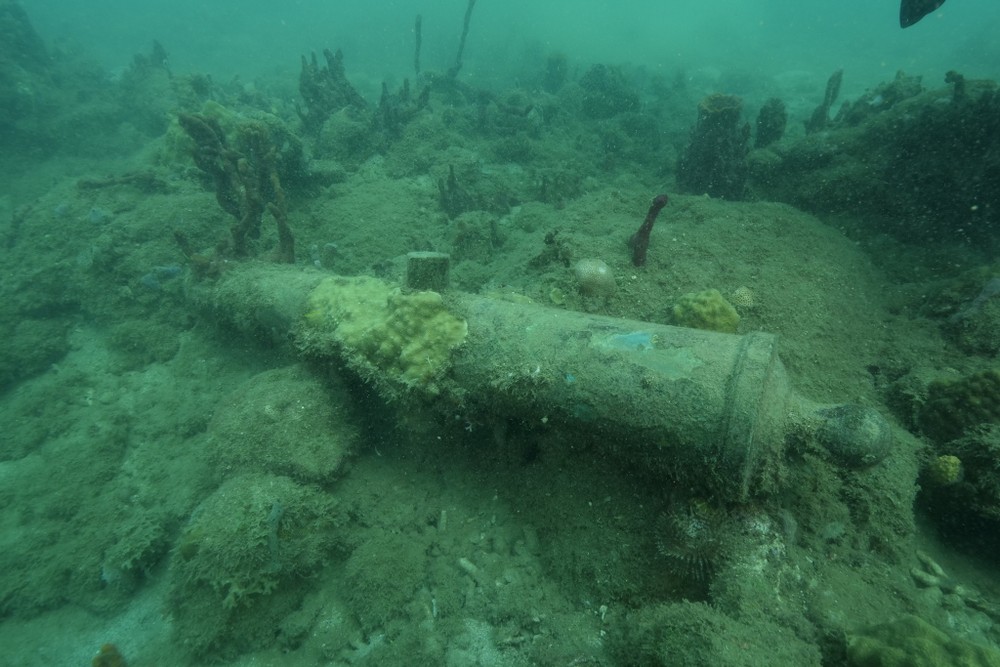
(31, 346)
(907, 161)
(912, 642)
(705, 310)
(405, 339)
(695, 634)
(142, 342)
(974, 329)
(606, 92)
(245, 560)
(285, 421)
(383, 575)
(962, 487)
(955, 406)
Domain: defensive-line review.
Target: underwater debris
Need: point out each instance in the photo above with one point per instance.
(427, 270)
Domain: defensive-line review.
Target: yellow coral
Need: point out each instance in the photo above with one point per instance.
(391, 335)
(945, 470)
(743, 298)
(706, 310)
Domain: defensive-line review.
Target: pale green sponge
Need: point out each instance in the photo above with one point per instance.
(706, 310)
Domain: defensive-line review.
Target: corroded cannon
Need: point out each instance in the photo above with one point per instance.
(717, 408)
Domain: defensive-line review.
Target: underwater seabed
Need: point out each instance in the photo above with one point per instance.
(180, 490)
(232, 435)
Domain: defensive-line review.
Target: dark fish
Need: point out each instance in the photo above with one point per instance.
(911, 11)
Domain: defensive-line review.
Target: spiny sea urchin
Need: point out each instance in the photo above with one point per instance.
(693, 537)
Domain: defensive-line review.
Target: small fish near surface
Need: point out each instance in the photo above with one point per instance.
(911, 11)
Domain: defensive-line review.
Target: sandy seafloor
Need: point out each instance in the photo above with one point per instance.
(457, 540)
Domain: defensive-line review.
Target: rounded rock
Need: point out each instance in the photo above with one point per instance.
(594, 278)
